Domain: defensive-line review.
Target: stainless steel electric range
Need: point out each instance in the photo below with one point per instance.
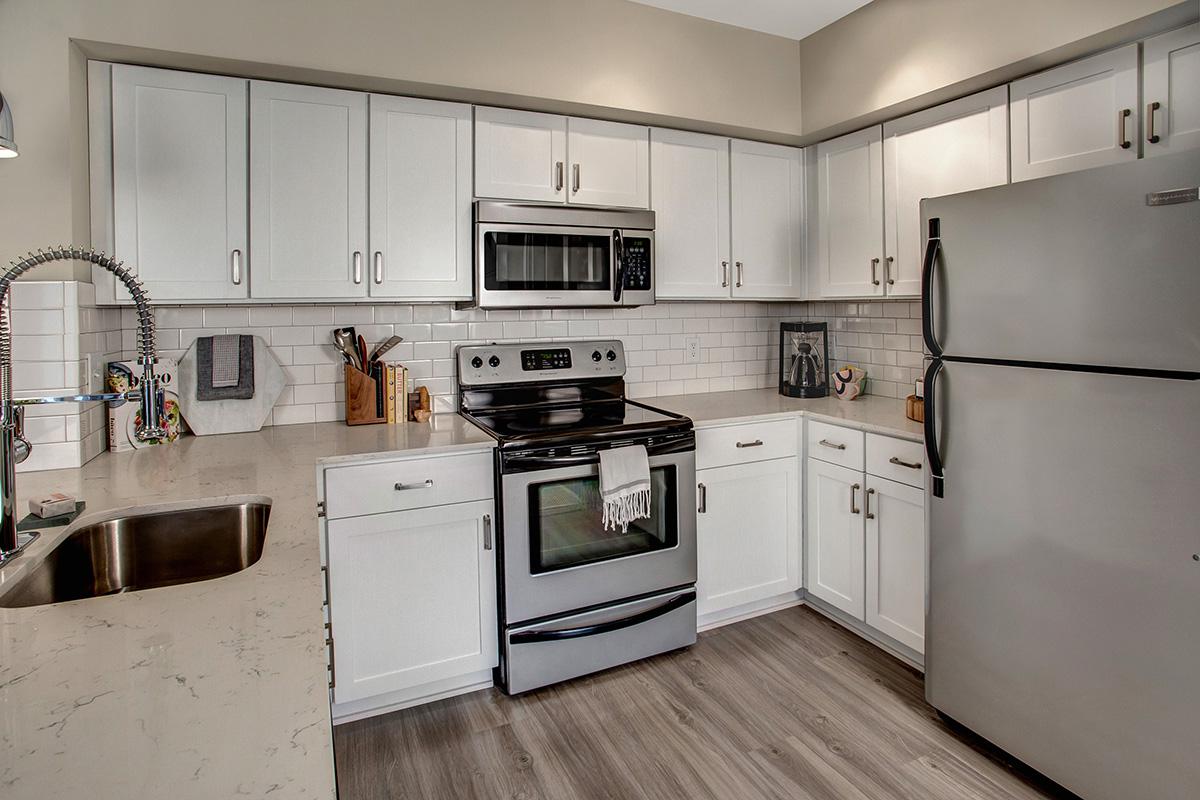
(575, 598)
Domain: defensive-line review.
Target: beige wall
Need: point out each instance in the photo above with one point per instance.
(571, 55)
(899, 55)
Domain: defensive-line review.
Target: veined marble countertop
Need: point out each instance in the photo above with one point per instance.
(206, 690)
(869, 413)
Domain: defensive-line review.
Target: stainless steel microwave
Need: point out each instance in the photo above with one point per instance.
(530, 255)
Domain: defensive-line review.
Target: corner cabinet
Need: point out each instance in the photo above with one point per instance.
(1171, 91)
(849, 215)
(420, 199)
(308, 191)
(1080, 115)
(179, 182)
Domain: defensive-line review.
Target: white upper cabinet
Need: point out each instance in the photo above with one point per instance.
(420, 199)
(956, 147)
(610, 163)
(849, 215)
(895, 560)
(520, 155)
(767, 200)
(308, 191)
(835, 542)
(179, 181)
(1171, 91)
(689, 179)
(1077, 116)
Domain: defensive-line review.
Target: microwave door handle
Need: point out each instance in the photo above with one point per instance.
(618, 264)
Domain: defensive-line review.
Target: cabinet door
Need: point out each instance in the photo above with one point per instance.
(768, 220)
(850, 215)
(834, 505)
(308, 191)
(420, 195)
(747, 533)
(412, 598)
(520, 155)
(610, 163)
(1171, 78)
(895, 562)
(179, 181)
(952, 148)
(1077, 116)
(689, 192)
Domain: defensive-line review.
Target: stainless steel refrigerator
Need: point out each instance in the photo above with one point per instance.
(1062, 432)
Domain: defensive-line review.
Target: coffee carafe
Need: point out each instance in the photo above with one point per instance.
(803, 359)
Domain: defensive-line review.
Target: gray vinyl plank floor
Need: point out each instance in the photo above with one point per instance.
(787, 705)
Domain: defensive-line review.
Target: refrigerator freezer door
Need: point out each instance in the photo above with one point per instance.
(1072, 269)
(1063, 585)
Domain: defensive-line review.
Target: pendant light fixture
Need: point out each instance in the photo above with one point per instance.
(8, 147)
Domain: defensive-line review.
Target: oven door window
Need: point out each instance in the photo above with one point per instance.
(565, 526)
(546, 262)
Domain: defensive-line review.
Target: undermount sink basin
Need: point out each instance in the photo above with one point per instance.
(146, 551)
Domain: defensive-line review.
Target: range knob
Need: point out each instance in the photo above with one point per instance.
(611, 356)
(494, 362)
(596, 355)
(476, 362)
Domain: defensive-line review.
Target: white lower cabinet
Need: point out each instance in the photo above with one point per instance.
(748, 533)
(835, 536)
(895, 560)
(412, 600)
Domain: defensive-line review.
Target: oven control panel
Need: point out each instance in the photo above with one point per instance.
(485, 364)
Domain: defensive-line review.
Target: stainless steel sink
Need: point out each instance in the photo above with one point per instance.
(146, 551)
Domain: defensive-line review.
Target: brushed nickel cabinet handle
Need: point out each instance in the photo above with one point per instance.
(378, 266)
(874, 267)
(887, 271)
(738, 283)
(702, 490)
(558, 176)
(1151, 136)
(575, 178)
(1123, 140)
(428, 484)
(902, 463)
(487, 531)
(755, 443)
(869, 515)
(854, 487)
(724, 274)
(834, 445)
(357, 260)
(235, 259)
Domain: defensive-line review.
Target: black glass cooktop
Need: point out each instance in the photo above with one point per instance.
(582, 421)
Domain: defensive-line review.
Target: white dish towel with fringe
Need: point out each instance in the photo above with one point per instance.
(624, 485)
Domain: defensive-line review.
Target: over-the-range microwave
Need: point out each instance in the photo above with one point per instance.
(531, 255)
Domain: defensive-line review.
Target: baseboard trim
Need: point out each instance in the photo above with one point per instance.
(862, 630)
(407, 698)
(746, 611)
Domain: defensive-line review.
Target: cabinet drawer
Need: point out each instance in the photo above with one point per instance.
(835, 444)
(896, 459)
(371, 488)
(739, 444)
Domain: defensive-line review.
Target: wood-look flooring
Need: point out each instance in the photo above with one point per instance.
(787, 705)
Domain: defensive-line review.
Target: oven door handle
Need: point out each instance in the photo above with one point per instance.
(532, 637)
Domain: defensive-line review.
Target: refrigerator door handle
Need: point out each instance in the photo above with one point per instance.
(936, 468)
(931, 253)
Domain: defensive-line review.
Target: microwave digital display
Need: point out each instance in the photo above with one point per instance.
(545, 359)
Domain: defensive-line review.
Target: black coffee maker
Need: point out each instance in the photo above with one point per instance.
(803, 359)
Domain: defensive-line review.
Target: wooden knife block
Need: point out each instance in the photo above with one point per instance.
(360, 398)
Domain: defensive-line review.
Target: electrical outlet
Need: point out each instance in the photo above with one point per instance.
(95, 376)
(691, 349)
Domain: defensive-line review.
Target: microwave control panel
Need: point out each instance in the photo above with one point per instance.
(637, 264)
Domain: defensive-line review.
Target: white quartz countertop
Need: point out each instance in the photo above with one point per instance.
(869, 413)
(205, 690)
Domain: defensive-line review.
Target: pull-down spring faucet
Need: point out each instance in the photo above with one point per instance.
(14, 448)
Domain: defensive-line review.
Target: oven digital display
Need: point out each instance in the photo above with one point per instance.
(546, 359)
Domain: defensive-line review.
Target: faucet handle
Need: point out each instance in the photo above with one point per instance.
(21, 445)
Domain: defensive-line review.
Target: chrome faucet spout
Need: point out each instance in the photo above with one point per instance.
(14, 447)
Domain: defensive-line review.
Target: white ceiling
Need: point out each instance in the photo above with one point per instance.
(794, 19)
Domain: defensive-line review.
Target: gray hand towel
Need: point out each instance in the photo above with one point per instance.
(225, 367)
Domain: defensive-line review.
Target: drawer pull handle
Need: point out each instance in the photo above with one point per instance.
(899, 462)
(755, 443)
(428, 484)
(854, 487)
(869, 515)
(834, 445)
